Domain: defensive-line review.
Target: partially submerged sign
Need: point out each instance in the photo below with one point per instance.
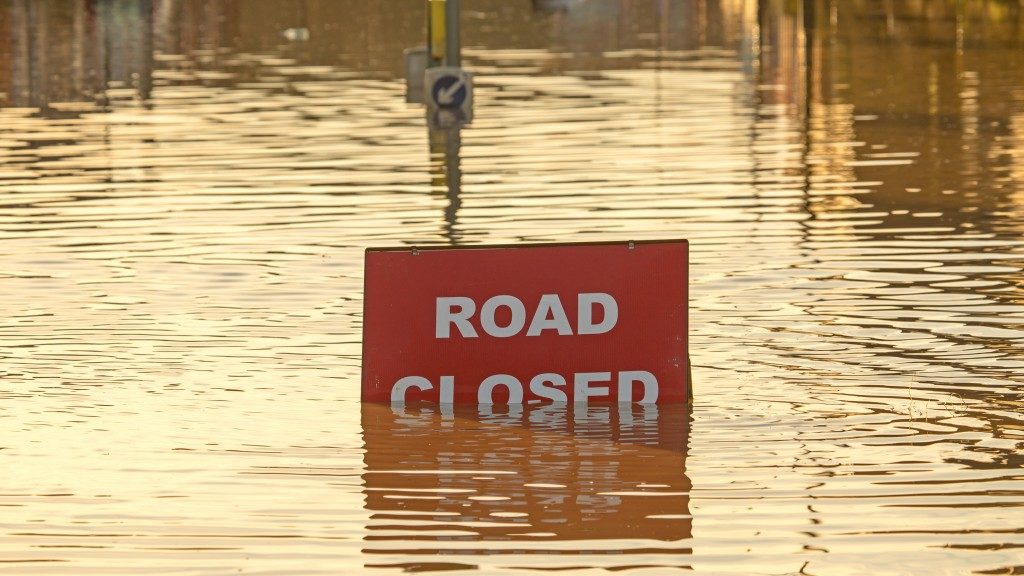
(449, 94)
(585, 323)
(449, 88)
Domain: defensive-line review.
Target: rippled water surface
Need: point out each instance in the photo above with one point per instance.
(187, 188)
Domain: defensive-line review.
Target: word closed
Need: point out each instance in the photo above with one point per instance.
(543, 323)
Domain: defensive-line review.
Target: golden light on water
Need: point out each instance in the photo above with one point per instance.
(186, 192)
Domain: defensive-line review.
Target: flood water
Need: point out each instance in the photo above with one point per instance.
(187, 188)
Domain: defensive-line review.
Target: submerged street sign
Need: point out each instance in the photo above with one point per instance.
(449, 88)
(588, 323)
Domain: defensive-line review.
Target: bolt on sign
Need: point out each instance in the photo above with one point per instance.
(580, 323)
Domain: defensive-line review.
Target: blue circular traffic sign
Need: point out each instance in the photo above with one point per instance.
(449, 91)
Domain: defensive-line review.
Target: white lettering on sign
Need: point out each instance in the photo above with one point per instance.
(399, 390)
(446, 316)
(448, 389)
(537, 386)
(551, 306)
(490, 324)
(626, 381)
(458, 311)
(485, 394)
(582, 391)
(548, 386)
(586, 309)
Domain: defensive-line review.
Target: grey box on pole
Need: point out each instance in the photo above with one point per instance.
(415, 65)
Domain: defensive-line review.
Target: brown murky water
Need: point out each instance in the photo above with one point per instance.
(186, 189)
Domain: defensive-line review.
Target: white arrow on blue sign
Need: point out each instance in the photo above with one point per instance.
(449, 88)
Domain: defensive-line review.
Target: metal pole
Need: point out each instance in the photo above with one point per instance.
(452, 49)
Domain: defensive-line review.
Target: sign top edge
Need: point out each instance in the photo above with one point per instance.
(439, 247)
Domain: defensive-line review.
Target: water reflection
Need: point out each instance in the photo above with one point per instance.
(445, 139)
(185, 261)
(533, 480)
(64, 52)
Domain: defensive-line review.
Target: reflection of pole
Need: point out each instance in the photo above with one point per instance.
(145, 86)
(36, 70)
(21, 57)
(102, 43)
(807, 90)
(808, 100)
(454, 171)
(807, 10)
(79, 68)
(446, 172)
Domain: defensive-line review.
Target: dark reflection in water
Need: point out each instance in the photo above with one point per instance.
(61, 51)
(534, 480)
(446, 174)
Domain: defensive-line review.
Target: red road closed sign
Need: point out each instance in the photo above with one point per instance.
(590, 323)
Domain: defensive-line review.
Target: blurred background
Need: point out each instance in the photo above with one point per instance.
(187, 188)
